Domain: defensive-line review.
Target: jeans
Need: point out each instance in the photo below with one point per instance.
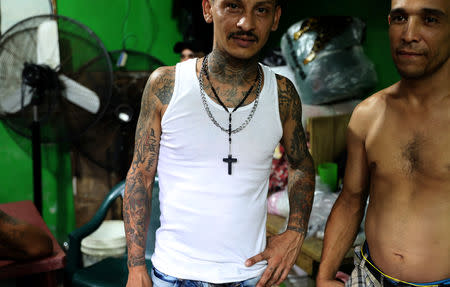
(160, 279)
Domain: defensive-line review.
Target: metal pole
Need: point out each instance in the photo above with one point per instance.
(36, 155)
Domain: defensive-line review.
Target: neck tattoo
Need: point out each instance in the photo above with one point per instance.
(204, 71)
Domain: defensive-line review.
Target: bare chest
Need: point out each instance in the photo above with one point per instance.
(414, 149)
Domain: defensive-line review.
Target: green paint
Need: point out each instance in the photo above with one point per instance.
(149, 28)
(105, 18)
(16, 178)
(15, 167)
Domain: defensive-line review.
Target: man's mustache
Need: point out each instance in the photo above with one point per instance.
(410, 48)
(243, 33)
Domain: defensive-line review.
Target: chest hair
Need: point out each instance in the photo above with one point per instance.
(411, 153)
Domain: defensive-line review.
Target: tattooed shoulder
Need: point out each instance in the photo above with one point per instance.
(5, 218)
(288, 99)
(161, 84)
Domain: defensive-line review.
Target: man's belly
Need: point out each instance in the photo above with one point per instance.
(409, 242)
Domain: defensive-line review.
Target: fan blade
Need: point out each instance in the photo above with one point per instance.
(48, 44)
(80, 95)
(12, 104)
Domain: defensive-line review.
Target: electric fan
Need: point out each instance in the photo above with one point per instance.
(12, 11)
(110, 143)
(55, 82)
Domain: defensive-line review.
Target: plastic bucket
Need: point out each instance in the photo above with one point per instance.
(107, 241)
(328, 172)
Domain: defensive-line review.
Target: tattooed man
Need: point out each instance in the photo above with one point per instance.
(398, 153)
(22, 241)
(210, 126)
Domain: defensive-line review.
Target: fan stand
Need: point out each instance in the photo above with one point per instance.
(37, 78)
(36, 156)
(32, 76)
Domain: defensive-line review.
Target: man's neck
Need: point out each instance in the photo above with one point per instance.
(427, 90)
(229, 70)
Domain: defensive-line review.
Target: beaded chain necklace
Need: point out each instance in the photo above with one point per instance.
(204, 71)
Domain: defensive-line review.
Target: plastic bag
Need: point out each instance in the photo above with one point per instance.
(278, 203)
(323, 202)
(328, 59)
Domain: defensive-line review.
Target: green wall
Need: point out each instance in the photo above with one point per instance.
(149, 28)
(105, 18)
(16, 182)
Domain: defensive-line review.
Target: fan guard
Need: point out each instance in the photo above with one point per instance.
(83, 65)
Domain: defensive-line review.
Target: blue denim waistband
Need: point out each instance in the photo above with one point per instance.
(194, 283)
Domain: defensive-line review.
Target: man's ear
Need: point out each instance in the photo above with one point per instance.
(389, 19)
(276, 19)
(207, 13)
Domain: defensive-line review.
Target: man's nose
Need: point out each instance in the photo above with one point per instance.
(411, 31)
(247, 22)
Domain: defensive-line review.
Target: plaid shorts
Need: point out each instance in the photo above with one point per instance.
(361, 276)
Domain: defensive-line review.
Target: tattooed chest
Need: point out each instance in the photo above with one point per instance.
(230, 95)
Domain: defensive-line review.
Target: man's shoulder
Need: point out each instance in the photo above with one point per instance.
(288, 99)
(161, 83)
(370, 110)
(284, 83)
(376, 103)
(163, 72)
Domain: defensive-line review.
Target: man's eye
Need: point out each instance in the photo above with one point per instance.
(233, 7)
(430, 20)
(398, 18)
(262, 10)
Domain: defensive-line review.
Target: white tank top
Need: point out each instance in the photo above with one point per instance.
(212, 222)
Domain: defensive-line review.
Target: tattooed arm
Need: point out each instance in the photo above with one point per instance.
(140, 177)
(301, 178)
(22, 241)
(282, 250)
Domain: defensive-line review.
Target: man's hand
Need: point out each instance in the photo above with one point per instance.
(281, 253)
(138, 277)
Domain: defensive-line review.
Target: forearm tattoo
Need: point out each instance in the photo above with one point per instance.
(10, 232)
(140, 177)
(301, 180)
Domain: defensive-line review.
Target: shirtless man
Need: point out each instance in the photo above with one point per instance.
(398, 142)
